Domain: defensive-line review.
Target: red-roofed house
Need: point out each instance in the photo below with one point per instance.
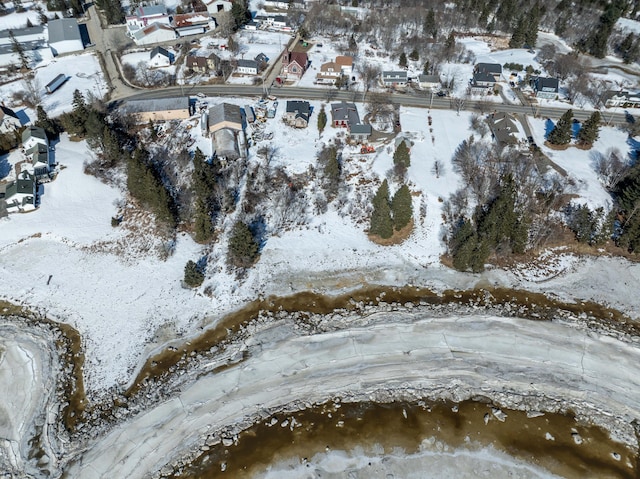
(294, 64)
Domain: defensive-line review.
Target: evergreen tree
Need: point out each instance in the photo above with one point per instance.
(532, 22)
(322, 121)
(29, 24)
(463, 243)
(402, 61)
(561, 133)
(240, 12)
(519, 34)
(42, 17)
(589, 132)
(18, 49)
(193, 277)
(203, 183)
(401, 207)
(429, 27)
(332, 171)
(596, 43)
(381, 222)
(426, 69)
(43, 121)
(450, 45)
(112, 152)
(243, 248)
(402, 157)
(414, 55)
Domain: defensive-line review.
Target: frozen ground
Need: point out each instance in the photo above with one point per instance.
(450, 357)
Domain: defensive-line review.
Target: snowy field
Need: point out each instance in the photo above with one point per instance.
(83, 73)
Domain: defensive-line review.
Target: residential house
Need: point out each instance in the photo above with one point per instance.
(360, 132)
(30, 38)
(154, 33)
(186, 24)
(36, 149)
(9, 121)
(160, 109)
(503, 128)
(213, 62)
(225, 115)
(20, 195)
(328, 74)
(482, 83)
(615, 98)
(294, 64)
(33, 136)
(64, 36)
(218, 6)
(159, 57)
(345, 62)
(493, 69)
(344, 114)
(225, 127)
(247, 67)
(145, 16)
(280, 22)
(546, 88)
(429, 82)
(297, 113)
(394, 78)
(197, 64)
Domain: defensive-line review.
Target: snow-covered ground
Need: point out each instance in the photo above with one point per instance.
(83, 73)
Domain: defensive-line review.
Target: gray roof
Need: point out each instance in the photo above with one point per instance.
(23, 32)
(302, 109)
(248, 64)
(24, 184)
(502, 126)
(397, 75)
(158, 104)
(33, 131)
(64, 29)
(428, 78)
(542, 83)
(483, 77)
(344, 111)
(224, 112)
(151, 10)
(492, 68)
(226, 144)
(360, 129)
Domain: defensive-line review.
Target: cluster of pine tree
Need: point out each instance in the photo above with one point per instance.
(498, 227)
(596, 42)
(243, 247)
(562, 133)
(112, 11)
(390, 214)
(402, 158)
(193, 276)
(144, 182)
(525, 33)
(203, 181)
(592, 227)
(627, 195)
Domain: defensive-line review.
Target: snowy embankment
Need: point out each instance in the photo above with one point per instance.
(519, 363)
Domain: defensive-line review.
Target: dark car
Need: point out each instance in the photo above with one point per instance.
(442, 93)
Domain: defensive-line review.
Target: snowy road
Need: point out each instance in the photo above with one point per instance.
(452, 357)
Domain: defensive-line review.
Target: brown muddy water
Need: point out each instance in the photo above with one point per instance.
(554, 442)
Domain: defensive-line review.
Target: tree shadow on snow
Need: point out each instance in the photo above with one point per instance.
(5, 166)
(258, 228)
(548, 127)
(634, 150)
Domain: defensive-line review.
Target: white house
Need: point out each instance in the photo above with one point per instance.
(36, 150)
(159, 57)
(154, 33)
(394, 78)
(64, 36)
(217, 6)
(20, 195)
(248, 67)
(9, 121)
(429, 82)
(145, 16)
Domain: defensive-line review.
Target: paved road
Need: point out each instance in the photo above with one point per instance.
(614, 116)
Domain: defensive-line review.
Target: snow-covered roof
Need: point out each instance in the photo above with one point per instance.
(157, 104)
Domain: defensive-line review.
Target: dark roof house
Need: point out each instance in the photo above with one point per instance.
(297, 113)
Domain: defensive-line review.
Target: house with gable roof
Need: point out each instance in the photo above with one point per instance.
(345, 115)
(394, 78)
(21, 195)
(36, 149)
(294, 64)
(218, 6)
(154, 33)
(159, 57)
(64, 36)
(145, 16)
(545, 87)
(297, 113)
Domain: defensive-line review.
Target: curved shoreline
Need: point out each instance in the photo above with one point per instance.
(594, 375)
